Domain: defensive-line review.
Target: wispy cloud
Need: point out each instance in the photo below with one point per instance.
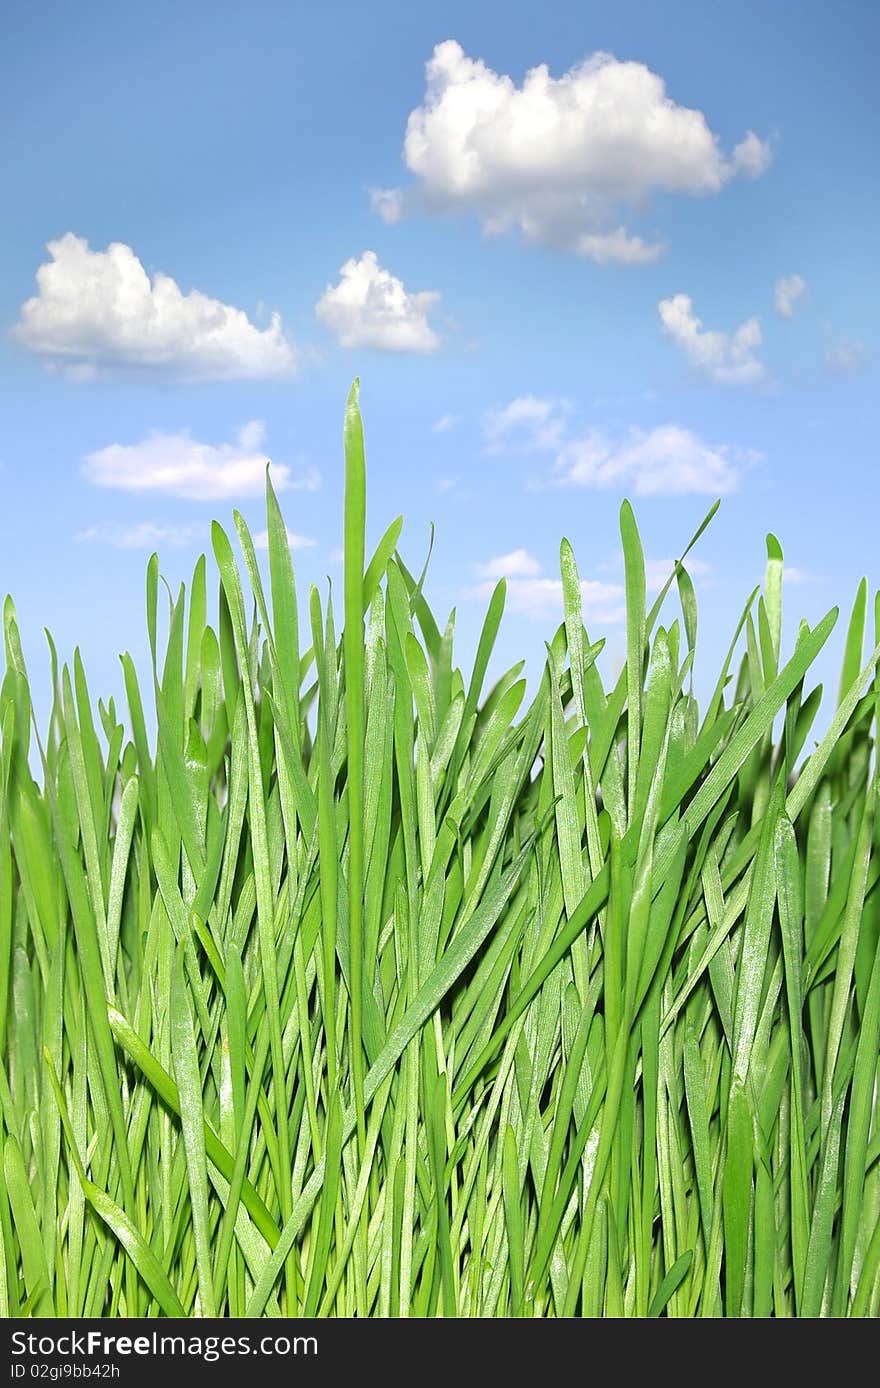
(448, 486)
(667, 460)
(143, 535)
(533, 594)
(847, 355)
(563, 160)
(370, 307)
(389, 203)
(98, 311)
(657, 571)
(727, 358)
(798, 577)
(179, 465)
(517, 564)
(532, 422)
(541, 598)
(261, 540)
(787, 292)
(444, 423)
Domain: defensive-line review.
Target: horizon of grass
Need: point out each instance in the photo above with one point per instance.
(371, 992)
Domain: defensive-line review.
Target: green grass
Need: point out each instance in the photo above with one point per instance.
(376, 992)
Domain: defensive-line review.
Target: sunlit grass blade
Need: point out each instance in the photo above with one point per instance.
(352, 983)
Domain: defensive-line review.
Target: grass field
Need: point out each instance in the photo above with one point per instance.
(372, 991)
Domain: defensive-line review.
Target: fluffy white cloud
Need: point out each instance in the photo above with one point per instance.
(534, 422)
(99, 310)
(144, 535)
(261, 540)
(752, 156)
(728, 358)
(178, 465)
(532, 594)
(786, 292)
(518, 564)
(370, 307)
(541, 598)
(559, 158)
(667, 460)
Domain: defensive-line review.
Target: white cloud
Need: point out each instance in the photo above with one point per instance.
(261, 540)
(99, 310)
(541, 598)
(518, 564)
(786, 292)
(446, 486)
(797, 577)
(618, 248)
(847, 355)
(559, 158)
(178, 465)
(729, 359)
(444, 423)
(532, 594)
(144, 535)
(533, 422)
(389, 203)
(752, 156)
(657, 571)
(370, 307)
(667, 460)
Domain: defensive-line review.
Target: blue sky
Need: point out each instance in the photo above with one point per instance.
(649, 274)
